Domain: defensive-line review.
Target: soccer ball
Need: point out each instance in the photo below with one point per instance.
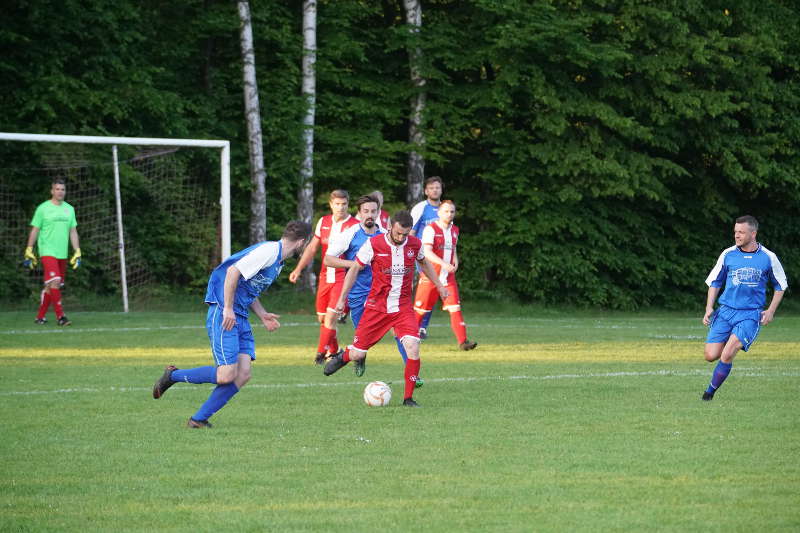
(377, 394)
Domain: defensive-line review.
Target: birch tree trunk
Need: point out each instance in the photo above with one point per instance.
(258, 195)
(305, 194)
(415, 175)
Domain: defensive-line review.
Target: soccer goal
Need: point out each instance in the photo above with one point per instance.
(150, 211)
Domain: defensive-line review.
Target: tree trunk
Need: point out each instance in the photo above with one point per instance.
(415, 175)
(305, 193)
(258, 196)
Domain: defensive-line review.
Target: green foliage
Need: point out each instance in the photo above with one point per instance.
(598, 151)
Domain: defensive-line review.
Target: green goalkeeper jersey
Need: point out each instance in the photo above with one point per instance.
(54, 223)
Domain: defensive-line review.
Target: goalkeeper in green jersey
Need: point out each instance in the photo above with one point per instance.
(53, 227)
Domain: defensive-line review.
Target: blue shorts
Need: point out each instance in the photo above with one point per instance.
(356, 309)
(744, 323)
(227, 345)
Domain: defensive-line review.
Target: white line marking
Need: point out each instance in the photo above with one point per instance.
(740, 372)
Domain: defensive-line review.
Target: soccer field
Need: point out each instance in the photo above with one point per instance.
(557, 422)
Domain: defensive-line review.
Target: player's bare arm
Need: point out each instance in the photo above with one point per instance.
(433, 258)
(305, 259)
(232, 276)
(349, 281)
(427, 268)
(270, 320)
(337, 262)
(710, 299)
(769, 313)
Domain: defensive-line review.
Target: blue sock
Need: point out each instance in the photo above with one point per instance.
(202, 374)
(401, 349)
(216, 401)
(721, 372)
(426, 320)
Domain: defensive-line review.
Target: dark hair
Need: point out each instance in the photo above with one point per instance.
(59, 181)
(340, 193)
(403, 218)
(750, 220)
(434, 179)
(367, 198)
(451, 202)
(296, 230)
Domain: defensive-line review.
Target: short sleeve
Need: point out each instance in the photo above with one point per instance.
(340, 242)
(74, 222)
(36, 221)
(427, 235)
(258, 259)
(365, 253)
(318, 229)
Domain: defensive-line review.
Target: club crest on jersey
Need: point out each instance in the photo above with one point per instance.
(410, 253)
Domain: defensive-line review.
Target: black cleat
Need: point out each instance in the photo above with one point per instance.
(164, 382)
(334, 364)
(198, 424)
(40, 321)
(64, 321)
(359, 367)
(467, 345)
(342, 319)
(423, 334)
(409, 402)
(708, 396)
(320, 358)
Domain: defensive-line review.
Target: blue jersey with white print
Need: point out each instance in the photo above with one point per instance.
(745, 275)
(423, 214)
(346, 245)
(259, 265)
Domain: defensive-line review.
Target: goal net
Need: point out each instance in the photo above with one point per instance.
(148, 215)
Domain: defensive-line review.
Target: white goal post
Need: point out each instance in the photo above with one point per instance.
(223, 146)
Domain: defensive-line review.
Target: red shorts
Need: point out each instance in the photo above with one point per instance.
(374, 325)
(54, 268)
(427, 295)
(328, 295)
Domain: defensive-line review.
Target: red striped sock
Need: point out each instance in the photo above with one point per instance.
(44, 303)
(411, 373)
(458, 326)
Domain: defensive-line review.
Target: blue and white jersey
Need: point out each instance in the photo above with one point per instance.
(745, 276)
(423, 214)
(346, 245)
(259, 264)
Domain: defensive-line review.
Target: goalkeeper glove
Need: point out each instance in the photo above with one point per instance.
(30, 258)
(76, 259)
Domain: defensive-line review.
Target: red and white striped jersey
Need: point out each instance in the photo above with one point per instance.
(383, 220)
(326, 230)
(392, 271)
(444, 242)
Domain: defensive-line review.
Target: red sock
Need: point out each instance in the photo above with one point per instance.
(346, 355)
(324, 339)
(55, 296)
(458, 326)
(44, 303)
(334, 342)
(411, 373)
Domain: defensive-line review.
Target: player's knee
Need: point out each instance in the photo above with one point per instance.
(711, 353)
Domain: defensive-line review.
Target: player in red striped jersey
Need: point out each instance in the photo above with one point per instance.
(392, 257)
(440, 240)
(329, 283)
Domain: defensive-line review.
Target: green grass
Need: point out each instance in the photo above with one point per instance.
(559, 421)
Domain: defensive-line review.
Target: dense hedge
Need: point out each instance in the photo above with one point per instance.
(598, 151)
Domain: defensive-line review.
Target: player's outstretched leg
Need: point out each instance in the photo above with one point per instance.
(216, 401)
(411, 375)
